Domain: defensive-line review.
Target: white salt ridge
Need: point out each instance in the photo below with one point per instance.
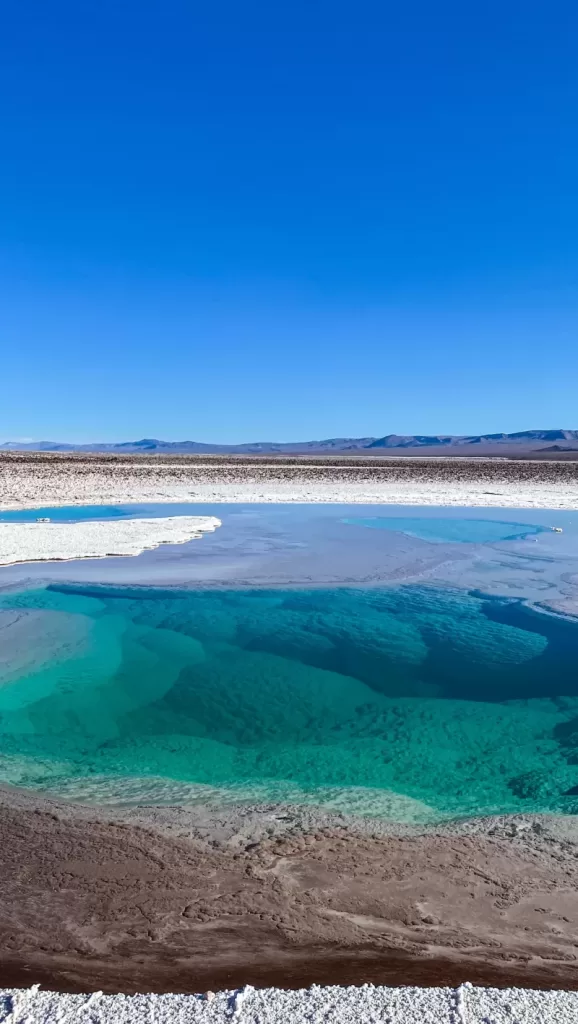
(366, 1004)
(453, 493)
(40, 542)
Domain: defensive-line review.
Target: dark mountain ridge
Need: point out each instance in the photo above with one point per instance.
(521, 441)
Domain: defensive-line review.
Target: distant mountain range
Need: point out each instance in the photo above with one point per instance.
(521, 442)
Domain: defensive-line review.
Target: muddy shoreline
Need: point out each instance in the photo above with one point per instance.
(284, 968)
(92, 898)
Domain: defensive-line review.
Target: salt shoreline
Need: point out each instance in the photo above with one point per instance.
(28, 483)
(43, 542)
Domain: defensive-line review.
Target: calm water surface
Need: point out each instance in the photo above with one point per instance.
(450, 530)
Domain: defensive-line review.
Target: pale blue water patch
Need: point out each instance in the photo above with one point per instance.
(450, 530)
(65, 513)
(311, 545)
(87, 513)
(452, 527)
(133, 510)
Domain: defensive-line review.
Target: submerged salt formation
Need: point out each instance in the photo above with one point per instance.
(46, 541)
(411, 702)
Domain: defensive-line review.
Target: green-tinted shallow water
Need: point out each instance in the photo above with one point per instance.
(413, 702)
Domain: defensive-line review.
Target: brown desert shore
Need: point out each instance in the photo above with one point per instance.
(90, 899)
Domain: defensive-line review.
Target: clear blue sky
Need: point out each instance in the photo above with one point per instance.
(256, 220)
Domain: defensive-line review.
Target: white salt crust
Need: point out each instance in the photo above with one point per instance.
(366, 1004)
(39, 542)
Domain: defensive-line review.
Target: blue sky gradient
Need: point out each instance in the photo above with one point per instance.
(232, 222)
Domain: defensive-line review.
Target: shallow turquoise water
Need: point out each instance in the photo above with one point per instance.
(133, 510)
(82, 513)
(64, 513)
(413, 702)
(450, 530)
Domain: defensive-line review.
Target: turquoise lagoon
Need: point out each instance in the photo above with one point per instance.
(84, 513)
(446, 530)
(412, 701)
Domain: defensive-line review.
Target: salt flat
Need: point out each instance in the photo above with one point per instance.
(31, 480)
(35, 542)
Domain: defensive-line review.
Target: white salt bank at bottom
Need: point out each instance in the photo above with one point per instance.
(366, 1004)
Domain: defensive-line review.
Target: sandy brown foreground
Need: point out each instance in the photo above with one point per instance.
(88, 901)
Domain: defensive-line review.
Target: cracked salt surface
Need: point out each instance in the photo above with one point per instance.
(366, 1004)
